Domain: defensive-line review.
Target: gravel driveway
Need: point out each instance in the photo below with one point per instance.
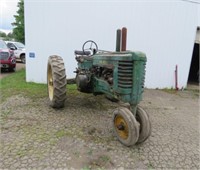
(80, 136)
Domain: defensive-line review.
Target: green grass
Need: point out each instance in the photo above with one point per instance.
(195, 92)
(72, 89)
(16, 84)
(171, 91)
(62, 133)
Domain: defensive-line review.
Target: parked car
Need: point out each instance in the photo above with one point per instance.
(19, 50)
(7, 57)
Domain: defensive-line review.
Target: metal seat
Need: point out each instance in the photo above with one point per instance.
(77, 52)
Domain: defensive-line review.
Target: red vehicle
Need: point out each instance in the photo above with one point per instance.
(7, 58)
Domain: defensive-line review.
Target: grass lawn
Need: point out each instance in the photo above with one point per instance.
(15, 84)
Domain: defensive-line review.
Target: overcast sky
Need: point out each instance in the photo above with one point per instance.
(8, 8)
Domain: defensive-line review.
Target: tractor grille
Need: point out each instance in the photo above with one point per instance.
(143, 75)
(125, 74)
(4, 55)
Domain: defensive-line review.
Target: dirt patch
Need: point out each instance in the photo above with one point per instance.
(80, 136)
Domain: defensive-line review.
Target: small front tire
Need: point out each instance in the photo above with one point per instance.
(125, 126)
(145, 125)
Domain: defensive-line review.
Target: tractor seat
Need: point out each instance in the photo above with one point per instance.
(77, 52)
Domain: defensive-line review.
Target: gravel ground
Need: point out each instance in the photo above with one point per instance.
(80, 136)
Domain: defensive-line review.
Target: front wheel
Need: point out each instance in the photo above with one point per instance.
(145, 125)
(126, 127)
(56, 81)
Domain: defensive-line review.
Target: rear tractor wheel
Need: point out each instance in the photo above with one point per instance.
(56, 81)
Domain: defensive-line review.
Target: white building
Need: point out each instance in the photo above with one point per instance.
(165, 30)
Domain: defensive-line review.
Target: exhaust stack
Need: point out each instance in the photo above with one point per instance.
(121, 39)
(124, 38)
(118, 40)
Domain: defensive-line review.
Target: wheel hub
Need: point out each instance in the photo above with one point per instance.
(50, 84)
(121, 126)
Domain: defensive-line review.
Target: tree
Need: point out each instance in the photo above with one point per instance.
(18, 30)
(10, 35)
(2, 34)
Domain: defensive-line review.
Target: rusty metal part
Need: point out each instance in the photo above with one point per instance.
(118, 40)
(124, 38)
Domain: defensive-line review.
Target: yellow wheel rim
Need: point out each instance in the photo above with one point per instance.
(50, 83)
(121, 127)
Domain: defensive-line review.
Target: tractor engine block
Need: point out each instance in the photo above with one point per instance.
(83, 81)
(84, 77)
(104, 73)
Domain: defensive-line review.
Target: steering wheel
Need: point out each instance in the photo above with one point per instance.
(90, 46)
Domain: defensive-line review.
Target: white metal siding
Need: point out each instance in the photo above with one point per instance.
(165, 31)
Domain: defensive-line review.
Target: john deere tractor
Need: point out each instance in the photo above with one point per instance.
(119, 75)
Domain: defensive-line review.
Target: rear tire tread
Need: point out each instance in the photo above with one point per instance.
(59, 81)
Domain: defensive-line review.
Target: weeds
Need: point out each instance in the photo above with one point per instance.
(62, 133)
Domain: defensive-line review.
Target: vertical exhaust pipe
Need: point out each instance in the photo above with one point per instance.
(124, 38)
(118, 40)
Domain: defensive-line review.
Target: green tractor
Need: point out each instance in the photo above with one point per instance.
(119, 75)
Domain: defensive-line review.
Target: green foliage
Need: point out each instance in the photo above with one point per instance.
(5, 37)
(2, 34)
(10, 36)
(18, 31)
